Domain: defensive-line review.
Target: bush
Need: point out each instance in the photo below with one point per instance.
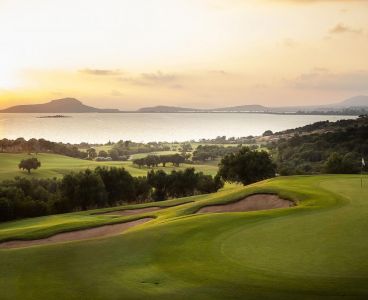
(181, 183)
(102, 153)
(6, 209)
(247, 166)
(267, 133)
(338, 164)
(119, 184)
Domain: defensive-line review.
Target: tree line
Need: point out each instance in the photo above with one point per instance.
(127, 148)
(102, 187)
(338, 149)
(223, 140)
(211, 152)
(152, 161)
(119, 151)
(40, 145)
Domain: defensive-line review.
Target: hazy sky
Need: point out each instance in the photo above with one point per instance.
(204, 53)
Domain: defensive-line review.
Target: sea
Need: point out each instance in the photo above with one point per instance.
(149, 127)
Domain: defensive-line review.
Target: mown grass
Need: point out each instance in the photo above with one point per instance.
(141, 155)
(54, 165)
(316, 250)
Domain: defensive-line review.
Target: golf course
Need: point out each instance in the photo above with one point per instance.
(55, 165)
(314, 248)
(184, 150)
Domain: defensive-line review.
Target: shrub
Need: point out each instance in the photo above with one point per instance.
(247, 166)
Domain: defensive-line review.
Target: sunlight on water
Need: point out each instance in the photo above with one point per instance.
(101, 128)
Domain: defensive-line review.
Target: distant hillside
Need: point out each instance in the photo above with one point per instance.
(166, 109)
(175, 109)
(358, 101)
(243, 108)
(305, 150)
(65, 105)
(353, 106)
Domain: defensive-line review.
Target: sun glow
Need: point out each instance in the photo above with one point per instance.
(183, 52)
(9, 79)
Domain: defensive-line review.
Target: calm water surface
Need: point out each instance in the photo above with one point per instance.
(146, 127)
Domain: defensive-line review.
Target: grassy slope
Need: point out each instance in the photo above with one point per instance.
(54, 165)
(141, 155)
(312, 251)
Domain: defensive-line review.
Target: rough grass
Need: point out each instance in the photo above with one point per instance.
(54, 165)
(318, 249)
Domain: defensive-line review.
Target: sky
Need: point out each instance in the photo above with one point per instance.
(128, 54)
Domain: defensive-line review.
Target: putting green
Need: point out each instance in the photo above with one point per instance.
(316, 250)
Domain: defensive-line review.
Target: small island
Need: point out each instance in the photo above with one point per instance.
(53, 117)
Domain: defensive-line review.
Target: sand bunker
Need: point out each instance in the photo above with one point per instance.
(97, 232)
(251, 203)
(128, 212)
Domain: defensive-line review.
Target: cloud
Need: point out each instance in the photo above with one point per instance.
(158, 77)
(101, 72)
(154, 79)
(341, 28)
(325, 80)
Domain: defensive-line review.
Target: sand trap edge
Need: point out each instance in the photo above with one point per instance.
(77, 235)
(136, 211)
(252, 202)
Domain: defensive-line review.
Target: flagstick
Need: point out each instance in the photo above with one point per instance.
(361, 177)
(361, 172)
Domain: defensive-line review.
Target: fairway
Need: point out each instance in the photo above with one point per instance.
(54, 165)
(315, 250)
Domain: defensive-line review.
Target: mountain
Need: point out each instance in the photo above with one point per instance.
(65, 105)
(243, 108)
(355, 105)
(175, 109)
(166, 109)
(358, 101)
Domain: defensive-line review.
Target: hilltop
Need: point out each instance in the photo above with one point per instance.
(65, 105)
(358, 101)
(166, 109)
(243, 108)
(352, 106)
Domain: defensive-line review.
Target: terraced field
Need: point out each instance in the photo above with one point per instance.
(315, 250)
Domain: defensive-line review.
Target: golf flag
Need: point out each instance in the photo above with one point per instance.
(361, 172)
